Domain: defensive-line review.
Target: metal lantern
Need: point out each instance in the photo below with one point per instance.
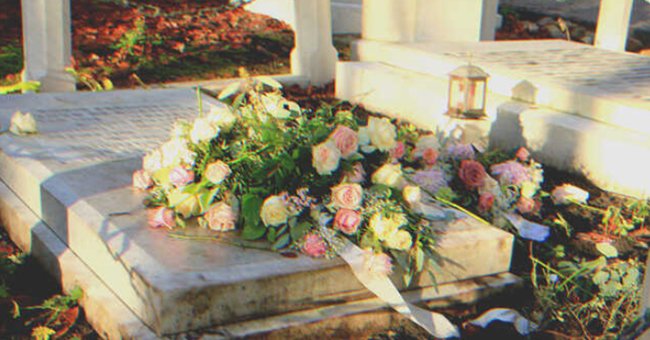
(467, 90)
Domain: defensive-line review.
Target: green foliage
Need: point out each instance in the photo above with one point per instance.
(11, 60)
(20, 87)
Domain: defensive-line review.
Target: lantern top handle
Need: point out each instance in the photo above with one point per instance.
(469, 71)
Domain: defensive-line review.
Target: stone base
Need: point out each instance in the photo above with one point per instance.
(75, 176)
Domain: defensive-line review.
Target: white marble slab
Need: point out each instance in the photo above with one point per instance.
(75, 176)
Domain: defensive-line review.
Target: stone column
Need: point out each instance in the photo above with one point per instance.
(389, 20)
(458, 20)
(47, 45)
(314, 56)
(613, 24)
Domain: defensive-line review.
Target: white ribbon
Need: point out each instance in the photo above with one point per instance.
(436, 324)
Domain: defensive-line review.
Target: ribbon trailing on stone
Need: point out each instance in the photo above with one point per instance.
(381, 285)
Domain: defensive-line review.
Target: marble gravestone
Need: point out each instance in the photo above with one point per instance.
(66, 196)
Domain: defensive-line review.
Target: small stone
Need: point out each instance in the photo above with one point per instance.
(633, 44)
(588, 38)
(530, 26)
(578, 32)
(555, 31)
(545, 21)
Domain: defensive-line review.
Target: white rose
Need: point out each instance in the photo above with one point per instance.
(216, 172)
(568, 193)
(152, 161)
(222, 118)
(203, 130)
(412, 194)
(390, 175)
(176, 151)
(382, 133)
(364, 137)
(22, 124)
(274, 211)
(325, 158)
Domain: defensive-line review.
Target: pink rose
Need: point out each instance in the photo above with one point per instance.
(346, 140)
(179, 176)
(161, 217)
(485, 202)
(356, 174)
(221, 217)
(314, 246)
(398, 151)
(347, 196)
(217, 172)
(430, 156)
(347, 221)
(522, 154)
(142, 180)
(526, 205)
(377, 263)
(472, 174)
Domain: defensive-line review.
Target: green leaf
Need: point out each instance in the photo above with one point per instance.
(271, 235)
(299, 230)
(281, 242)
(229, 90)
(251, 205)
(268, 81)
(607, 249)
(253, 231)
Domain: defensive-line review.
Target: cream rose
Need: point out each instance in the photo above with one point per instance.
(217, 172)
(274, 211)
(221, 217)
(22, 123)
(382, 133)
(325, 158)
(203, 130)
(400, 240)
(347, 196)
(346, 140)
(390, 175)
(382, 226)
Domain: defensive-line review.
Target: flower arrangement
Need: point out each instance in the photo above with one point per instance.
(302, 179)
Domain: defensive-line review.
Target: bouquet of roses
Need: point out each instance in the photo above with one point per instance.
(302, 179)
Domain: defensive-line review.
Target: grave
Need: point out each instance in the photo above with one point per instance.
(576, 107)
(66, 197)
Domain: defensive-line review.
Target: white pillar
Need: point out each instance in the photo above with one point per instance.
(389, 20)
(314, 56)
(613, 24)
(457, 20)
(47, 46)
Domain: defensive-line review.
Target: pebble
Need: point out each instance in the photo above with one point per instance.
(555, 31)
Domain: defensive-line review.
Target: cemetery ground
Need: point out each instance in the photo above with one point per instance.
(576, 289)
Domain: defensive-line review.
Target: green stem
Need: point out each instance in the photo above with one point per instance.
(199, 100)
(181, 236)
